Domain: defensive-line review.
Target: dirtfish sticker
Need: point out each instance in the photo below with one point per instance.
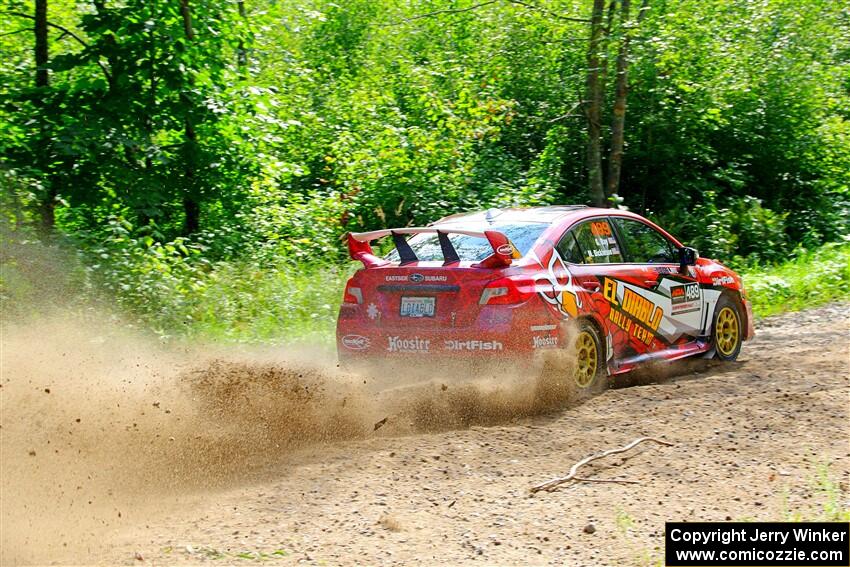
(625, 301)
(472, 345)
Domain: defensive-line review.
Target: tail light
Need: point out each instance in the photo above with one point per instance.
(352, 294)
(507, 291)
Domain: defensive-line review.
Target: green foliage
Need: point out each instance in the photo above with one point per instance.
(287, 125)
(829, 505)
(810, 279)
(176, 291)
(137, 117)
(741, 233)
(36, 279)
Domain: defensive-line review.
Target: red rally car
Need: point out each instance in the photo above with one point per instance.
(501, 283)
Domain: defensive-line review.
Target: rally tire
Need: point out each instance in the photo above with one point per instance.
(588, 375)
(727, 329)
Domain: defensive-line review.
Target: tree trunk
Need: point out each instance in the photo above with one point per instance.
(144, 218)
(593, 106)
(241, 52)
(187, 20)
(192, 210)
(41, 53)
(618, 120)
(603, 42)
(47, 206)
(191, 206)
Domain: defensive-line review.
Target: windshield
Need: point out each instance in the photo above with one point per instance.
(472, 249)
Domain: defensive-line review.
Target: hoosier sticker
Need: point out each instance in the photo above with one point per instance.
(413, 344)
(544, 341)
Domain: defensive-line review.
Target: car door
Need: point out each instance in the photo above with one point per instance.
(652, 271)
(595, 260)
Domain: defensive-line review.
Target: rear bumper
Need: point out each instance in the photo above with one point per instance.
(356, 342)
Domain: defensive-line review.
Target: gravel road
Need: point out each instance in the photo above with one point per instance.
(765, 438)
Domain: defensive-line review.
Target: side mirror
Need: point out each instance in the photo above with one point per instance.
(687, 257)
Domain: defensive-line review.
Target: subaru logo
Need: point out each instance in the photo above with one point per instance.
(416, 278)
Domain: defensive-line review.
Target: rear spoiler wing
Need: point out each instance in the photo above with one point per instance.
(359, 248)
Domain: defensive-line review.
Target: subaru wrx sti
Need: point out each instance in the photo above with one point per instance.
(501, 284)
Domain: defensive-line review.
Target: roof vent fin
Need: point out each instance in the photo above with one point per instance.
(491, 214)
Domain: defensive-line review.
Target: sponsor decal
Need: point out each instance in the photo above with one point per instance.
(604, 252)
(413, 344)
(546, 341)
(606, 244)
(640, 308)
(647, 314)
(723, 280)
(620, 320)
(505, 250)
(600, 228)
(543, 327)
(415, 278)
(372, 311)
(685, 298)
(471, 345)
(559, 278)
(355, 342)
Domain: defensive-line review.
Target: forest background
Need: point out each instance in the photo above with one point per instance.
(196, 163)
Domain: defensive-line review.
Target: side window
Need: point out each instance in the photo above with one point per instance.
(596, 243)
(644, 244)
(568, 249)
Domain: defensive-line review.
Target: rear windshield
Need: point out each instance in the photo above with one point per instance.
(472, 249)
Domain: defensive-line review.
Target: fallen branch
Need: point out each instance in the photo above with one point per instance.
(571, 476)
(611, 480)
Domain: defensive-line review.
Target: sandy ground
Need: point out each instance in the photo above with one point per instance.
(224, 469)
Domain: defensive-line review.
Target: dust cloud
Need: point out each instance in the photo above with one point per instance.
(102, 428)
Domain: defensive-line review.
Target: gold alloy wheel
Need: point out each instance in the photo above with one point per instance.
(726, 331)
(587, 359)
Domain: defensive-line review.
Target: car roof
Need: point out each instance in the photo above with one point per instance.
(558, 217)
(547, 215)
